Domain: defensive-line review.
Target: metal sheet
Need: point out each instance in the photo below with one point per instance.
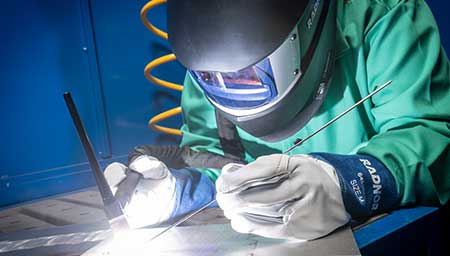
(220, 239)
(209, 233)
(216, 239)
(65, 240)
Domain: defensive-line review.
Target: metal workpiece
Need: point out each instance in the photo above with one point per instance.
(67, 243)
(210, 239)
(210, 234)
(222, 240)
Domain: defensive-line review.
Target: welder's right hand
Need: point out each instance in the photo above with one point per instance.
(153, 199)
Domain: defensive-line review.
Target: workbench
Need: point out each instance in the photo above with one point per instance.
(75, 223)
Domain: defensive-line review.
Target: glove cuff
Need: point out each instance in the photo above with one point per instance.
(367, 186)
(193, 190)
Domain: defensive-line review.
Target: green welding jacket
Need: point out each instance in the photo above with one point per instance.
(405, 126)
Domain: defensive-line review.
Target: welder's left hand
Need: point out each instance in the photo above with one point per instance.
(152, 200)
(280, 196)
(161, 194)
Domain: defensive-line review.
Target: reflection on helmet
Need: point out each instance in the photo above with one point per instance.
(249, 88)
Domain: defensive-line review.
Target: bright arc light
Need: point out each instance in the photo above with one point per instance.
(133, 242)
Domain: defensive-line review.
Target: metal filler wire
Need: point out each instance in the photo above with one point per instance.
(185, 218)
(285, 152)
(337, 117)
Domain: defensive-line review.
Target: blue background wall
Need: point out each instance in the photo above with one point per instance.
(97, 50)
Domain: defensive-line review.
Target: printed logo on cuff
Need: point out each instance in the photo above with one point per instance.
(376, 184)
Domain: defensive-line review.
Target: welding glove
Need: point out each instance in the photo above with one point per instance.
(299, 197)
(162, 194)
(153, 199)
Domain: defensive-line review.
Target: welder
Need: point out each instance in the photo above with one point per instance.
(262, 75)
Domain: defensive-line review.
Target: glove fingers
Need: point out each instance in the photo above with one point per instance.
(299, 219)
(153, 202)
(114, 174)
(304, 204)
(264, 169)
(149, 167)
(284, 191)
(266, 195)
(272, 213)
(243, 224)
(280, 223)
(305, 177)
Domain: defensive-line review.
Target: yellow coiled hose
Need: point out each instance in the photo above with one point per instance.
(155, 63)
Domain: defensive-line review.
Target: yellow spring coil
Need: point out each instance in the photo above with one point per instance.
(155, 63)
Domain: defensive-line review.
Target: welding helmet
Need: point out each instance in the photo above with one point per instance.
(265, 64)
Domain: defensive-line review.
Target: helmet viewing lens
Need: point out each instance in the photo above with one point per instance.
(248, 88)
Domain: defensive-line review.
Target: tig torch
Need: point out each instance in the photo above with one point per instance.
(112, 205)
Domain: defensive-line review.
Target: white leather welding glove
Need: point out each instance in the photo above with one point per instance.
(280, 196)
(153, 199)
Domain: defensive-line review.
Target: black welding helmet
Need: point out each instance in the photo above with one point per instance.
(265, 64)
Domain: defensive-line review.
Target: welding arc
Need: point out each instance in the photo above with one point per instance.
(285, 152)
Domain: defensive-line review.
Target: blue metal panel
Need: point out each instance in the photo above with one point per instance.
(49, 47)
(45, 51)
(125, 46)
(413, 231)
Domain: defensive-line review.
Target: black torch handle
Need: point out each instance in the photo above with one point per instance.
(102, 184)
